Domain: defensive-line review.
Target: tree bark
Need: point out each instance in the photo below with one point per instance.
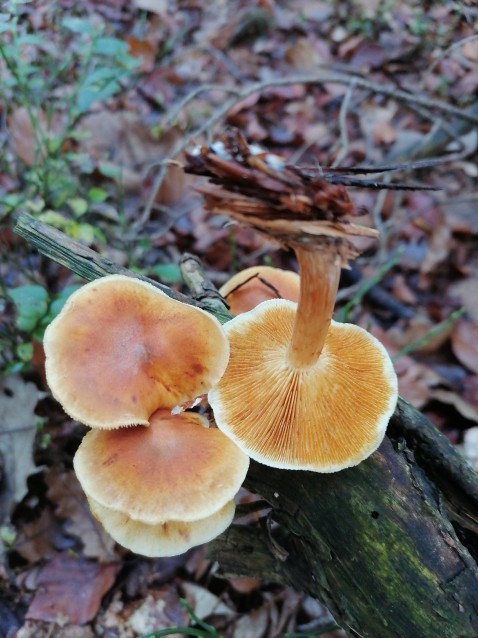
(390, 546)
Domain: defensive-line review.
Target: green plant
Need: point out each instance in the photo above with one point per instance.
(34, 309)
(53, 91)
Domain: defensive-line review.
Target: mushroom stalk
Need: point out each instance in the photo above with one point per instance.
(319, 281)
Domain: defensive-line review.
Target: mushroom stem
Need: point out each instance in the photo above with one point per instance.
(319, 281)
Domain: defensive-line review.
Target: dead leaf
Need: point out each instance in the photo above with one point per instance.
(160, 610)
(302, 55)
(470, 447)
(18, 400)
(26, 141)
(159, 7)
(461, 405)
(418, 328)
(470, 50)
(438, 249)
(143, 51)
(69, 590)
(205, 604)
(64, 491)
(464, 342)
(35, 539)
(36, 629)
(253, 625)
(376, 123)
(465, 291)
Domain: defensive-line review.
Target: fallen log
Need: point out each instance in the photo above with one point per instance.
(390, 546)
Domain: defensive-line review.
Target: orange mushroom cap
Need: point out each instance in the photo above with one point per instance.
(249, 287)
(176, 469)
(121, 348)
(325, 416)
(163, 539)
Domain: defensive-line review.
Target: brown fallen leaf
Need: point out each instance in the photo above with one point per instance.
(18, 400)
(160, 610)
(461, 405)
(464, 342)
(37, 629)
(64, 491)
(204, 603)
(418, 328)
(253, 625)
(68, 590)
(469, 448)
(35, 540)
(465, 291)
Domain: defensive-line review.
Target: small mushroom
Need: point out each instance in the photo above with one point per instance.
(163, 539)
(301, 391)
(177, 469)
(121, 348)
(249, 287)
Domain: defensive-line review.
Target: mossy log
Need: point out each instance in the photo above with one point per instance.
(390, 546)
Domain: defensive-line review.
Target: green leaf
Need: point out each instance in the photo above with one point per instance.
(78, 25)
(55, 219)
(59, 301)
(110, 47)
(86, 234)
(110, 170)
(167, 273)
(87, 96)
(78, 205)
(97, 195)
(25, 351)
(31, 303)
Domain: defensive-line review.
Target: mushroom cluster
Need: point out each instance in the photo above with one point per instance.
(122, 353)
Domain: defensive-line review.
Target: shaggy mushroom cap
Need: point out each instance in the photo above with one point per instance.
(177, 469)
(120, 348)
(323, 416)
(249, 287)
(163, 539)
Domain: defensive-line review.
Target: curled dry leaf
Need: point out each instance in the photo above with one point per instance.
(464, 341)
(470, 447)
(65, 492)
(18, 400)
(58, 584)
(159, 610)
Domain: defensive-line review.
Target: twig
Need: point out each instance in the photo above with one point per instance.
(78, 258)
(203, 290)
(344, 136)
(443, 54)
(321, 78)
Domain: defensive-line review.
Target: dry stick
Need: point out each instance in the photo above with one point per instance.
(344, 135)
(259, 87)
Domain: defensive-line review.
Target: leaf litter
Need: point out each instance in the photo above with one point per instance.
(54, 549)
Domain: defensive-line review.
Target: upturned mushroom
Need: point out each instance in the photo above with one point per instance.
(300, 391)
(249, 287)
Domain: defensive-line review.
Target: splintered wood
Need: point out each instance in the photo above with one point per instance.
(291, 205)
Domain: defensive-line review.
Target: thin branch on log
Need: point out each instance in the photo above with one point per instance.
(77, 257)
(390, 546)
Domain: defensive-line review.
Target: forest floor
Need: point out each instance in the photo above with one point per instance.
(97, 98)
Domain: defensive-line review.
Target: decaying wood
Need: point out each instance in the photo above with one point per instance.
(390, 546)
